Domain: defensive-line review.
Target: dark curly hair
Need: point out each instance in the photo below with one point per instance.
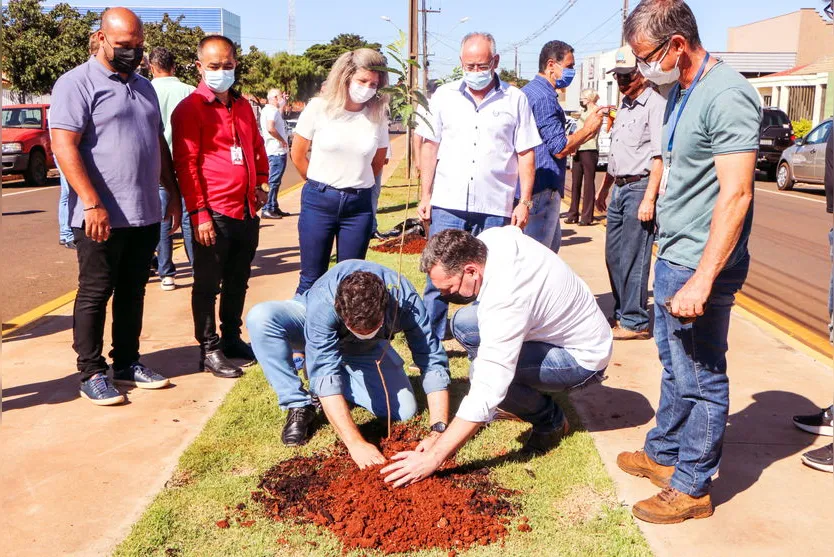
(361, 300)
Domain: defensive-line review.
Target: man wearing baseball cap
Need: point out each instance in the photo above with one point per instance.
(635, 168)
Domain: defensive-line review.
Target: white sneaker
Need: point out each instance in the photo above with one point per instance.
(168, 283)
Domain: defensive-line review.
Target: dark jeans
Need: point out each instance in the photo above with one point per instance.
(224, 269)
(628, 253)
(327, 214)
(442, 219)
(165, 248)
(277, 166)
(584, 166)
(541, 369)
(119, 268)
(694, 390)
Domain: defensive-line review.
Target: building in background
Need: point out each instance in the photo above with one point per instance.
(210, 20)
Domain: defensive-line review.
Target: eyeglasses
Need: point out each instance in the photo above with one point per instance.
(477, 67)
(653, 52)
(625, 77)
(829, 10)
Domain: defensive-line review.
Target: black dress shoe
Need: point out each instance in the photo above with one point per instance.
(571, 220)
(236, 349)
(215, 362)
(541, 442)
(265, 214)
(378, 236)
(278, 211)
(297, 428)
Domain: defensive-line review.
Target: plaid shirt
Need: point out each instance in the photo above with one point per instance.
(550, 119)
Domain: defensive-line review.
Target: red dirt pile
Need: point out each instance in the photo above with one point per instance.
(414, 243)
(451, 510)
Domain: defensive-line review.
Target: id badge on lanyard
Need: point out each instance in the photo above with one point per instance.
(237, 155)
(667, 164)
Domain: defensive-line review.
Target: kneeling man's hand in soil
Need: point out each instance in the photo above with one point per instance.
(410, 467)
(365, 454)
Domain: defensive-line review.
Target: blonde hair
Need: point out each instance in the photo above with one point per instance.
(335, 95)
(589, 95)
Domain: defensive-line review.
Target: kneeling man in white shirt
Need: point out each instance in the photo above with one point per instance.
(536, 329)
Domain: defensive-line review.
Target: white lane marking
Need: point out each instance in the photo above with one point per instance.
(791, 195)
(30, 191)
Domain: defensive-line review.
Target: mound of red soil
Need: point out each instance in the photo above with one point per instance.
(414, 243)
(451, 510)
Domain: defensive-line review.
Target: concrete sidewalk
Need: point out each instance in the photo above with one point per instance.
(74, 477)
(767, 501)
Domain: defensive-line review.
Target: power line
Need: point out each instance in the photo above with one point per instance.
(597, 28)
(556, 17)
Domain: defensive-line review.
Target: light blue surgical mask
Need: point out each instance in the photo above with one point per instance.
(219, 81)
(478, 81)
(567, 77)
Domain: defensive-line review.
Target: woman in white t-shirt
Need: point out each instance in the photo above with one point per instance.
(348, 132)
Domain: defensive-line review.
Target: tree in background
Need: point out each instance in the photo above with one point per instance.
(457, 73)
(510, 77)
(180, 40)
(325, 55)
(298, 76)
(38, 46)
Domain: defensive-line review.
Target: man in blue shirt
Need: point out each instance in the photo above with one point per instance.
(556, 71)
(343, 323)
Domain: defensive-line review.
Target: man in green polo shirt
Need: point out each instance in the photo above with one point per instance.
(170, 91)
(704, 213)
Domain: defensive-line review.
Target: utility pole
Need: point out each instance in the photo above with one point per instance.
(515, 61)
(625, 16)
(412, 73)
(291, 18)
(425, 11)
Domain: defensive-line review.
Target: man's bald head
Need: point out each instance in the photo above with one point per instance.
(121, 20)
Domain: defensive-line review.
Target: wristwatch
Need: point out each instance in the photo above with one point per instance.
(526, 202)
(438, 427)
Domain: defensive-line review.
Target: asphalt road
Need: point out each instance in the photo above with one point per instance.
(790, 264)
(36, 269)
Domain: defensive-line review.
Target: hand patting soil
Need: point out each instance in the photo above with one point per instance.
(451, 510)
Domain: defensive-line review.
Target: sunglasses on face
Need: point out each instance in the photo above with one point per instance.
(645, 60)
(829, 10)
(626, 78)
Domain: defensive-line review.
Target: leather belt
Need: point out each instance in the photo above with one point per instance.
(623, 180)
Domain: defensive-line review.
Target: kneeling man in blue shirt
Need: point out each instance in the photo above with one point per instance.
(343, 324)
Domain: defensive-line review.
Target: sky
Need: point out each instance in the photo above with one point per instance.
(590, 26)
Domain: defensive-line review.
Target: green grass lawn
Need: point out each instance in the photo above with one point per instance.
(566, 494)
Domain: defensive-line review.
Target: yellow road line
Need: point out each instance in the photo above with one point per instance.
(16, 323)
(814, 343)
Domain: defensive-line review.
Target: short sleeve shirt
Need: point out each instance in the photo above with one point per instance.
(721, 117)
(120, 126)
(477, 167)
(344, 144)
(273, 147)
(635, 137)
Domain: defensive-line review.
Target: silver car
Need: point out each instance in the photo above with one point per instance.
(804, 161)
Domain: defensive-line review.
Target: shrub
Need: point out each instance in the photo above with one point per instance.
(801, 127)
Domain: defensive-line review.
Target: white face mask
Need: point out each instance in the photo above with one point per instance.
(360, 94)
(219, 81)
(654, 73)
(368, 336)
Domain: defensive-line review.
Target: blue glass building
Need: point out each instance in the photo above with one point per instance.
(210, 20)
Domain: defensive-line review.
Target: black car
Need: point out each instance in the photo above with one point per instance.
(775, 135)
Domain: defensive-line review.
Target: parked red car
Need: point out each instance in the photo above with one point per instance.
(27, 149)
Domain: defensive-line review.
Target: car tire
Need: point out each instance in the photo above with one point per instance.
(784, 176)
(35, 173)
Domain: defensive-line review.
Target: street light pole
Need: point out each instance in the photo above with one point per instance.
(412, 74)
(625, 16)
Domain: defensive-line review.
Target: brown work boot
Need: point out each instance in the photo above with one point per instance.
(621, 333)
(639, 464)
(671, 506)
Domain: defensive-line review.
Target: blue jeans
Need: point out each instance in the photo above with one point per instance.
(165, 247)
(375, 191)
(544, 224)
(628, 254)
(277, 166)
(694, 390)
(64, 230)
(541, 369)
(442, 219)
(276, 330)
(831, 287)
(327, 214)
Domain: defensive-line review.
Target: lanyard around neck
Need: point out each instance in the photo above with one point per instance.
(675, 92)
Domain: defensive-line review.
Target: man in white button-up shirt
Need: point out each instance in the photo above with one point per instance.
(478, 146)
(535, 330)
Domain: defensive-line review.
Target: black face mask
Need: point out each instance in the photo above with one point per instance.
(126, 60)
(457, 298)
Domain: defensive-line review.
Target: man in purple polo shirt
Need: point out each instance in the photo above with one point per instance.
(107, 135)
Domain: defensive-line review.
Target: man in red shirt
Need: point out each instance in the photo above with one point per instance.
(220, 161)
